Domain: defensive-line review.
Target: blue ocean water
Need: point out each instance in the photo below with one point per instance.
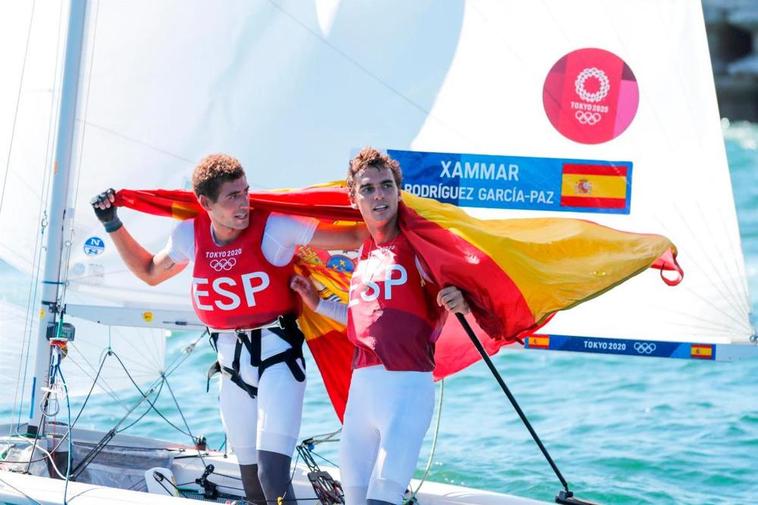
(622, 430)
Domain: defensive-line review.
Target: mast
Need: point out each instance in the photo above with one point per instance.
(51, 283)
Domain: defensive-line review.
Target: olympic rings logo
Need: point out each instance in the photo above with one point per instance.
(223, 264)
(588, 118)
(644, 347)
(581, 79)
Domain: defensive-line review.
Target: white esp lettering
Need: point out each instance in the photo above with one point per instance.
(371, 290)
(250, 290)
(197, 293)
(394, 282)
(234, 299)
(222, 292)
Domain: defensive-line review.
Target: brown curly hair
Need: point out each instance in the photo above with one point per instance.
(212, 172)
(370, 157)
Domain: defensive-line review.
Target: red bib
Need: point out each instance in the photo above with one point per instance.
(235, 286)
(393, 319)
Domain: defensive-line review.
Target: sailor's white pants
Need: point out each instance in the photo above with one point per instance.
(271, 422)
(387, 416)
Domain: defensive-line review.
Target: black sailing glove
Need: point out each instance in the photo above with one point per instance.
(106, 211)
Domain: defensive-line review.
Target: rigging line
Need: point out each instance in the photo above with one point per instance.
(81, 410)
(147, 399)
(21, 374)
(89, 393)
(335, 465)
(70, 451)
(146, 366)
(2, 197)
(181, 414)
(47, 456)
(18, 104)
(157, 395)
(357, 64)
(20, 492)
(434, 443)
(102, 384)
(325, 437)
(46, 181)
(181, 359)
(160, 387)
(140, 142)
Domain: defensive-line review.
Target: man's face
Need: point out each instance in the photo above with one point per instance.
(232, 207)
(376, 195)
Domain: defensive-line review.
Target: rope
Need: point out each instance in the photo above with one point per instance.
(412, 497)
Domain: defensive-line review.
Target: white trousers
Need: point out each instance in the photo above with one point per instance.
(270, 422)
(386, 418)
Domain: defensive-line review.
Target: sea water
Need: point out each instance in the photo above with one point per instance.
(621, 430)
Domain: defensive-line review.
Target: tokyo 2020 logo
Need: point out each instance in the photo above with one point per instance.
(590, 96)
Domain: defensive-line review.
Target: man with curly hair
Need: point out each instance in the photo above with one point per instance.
(242, 267)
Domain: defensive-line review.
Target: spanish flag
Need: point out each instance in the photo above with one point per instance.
(538, 341)
(594, 186)
(515, 273)
(701, 351)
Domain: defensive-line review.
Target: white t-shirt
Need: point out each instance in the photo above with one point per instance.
(281, 237)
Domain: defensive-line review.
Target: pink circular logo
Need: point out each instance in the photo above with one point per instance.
(590, 96)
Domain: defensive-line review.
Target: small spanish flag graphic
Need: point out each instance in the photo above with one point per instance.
(593, 186)
(701, 351)
(539, 342)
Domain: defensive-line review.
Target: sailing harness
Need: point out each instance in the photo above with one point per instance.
(286, 328)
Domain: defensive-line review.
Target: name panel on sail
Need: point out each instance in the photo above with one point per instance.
(518, 182)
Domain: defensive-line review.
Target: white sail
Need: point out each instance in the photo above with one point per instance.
(270, 84)
(142, 352)
(30, 36)
(293, 88)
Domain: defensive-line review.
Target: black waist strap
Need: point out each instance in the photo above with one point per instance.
(251, 339)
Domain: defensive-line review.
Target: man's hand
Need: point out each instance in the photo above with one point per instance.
(307, 291)
(452, 299)
(106, 211)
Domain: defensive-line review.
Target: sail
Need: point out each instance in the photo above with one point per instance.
(31, 65)
(460, 92)
(142, 352)
(32, 37)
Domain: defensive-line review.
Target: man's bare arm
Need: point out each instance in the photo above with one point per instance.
(152, 269)
(337, 236)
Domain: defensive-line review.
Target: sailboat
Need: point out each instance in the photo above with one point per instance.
(601, 110)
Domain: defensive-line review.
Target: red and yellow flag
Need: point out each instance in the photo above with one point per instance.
(515, 273)
(593, 186)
